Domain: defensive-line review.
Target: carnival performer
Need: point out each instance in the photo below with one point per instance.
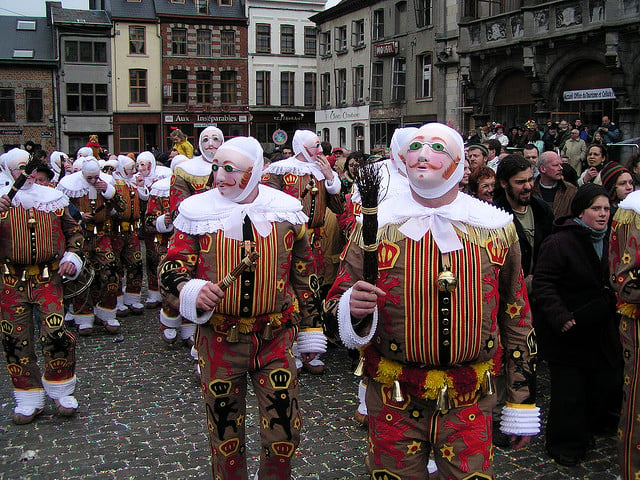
(248, 328)
(58, 162)
(151, 172)
(124, 235)
(195, 176)
(39, 243)
(308, 177)
(624, 261)
(160, 220)
(450, 296)
(91, 193)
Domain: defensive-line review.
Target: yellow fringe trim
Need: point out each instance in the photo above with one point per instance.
(626, 217)
(629, 310)
(389, 371)
(245, 324)
(500, 237)
(192, 179)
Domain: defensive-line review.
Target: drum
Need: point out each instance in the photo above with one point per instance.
(73, 288)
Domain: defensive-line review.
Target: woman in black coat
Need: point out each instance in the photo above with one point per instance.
(575, 322)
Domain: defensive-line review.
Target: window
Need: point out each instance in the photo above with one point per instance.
(378, 24)
(96, 4)
(287, 88)
(263, 38)
(203, 87)
(424, 76)
(309, 89)
(7, 105)
(310, 41)
(341, 86)
(399, 78)
(401, 17)
(228, 43)
(341, 39)
(137, 86)
(179, 84)
(358, 84)
(129, 138)
(326, 135)
(202, 6)
(85, 52)
(33, 105)
(203, 43)
(179, 41)
(287, 39)
(377, 81)
(325, 44)
(263, 88)
(489, 8)
(86, 97)
(358, 137)
(357, 33)
(423, 13)
(136, 41)
(225, 3)
(342, 137)
(325, 90)
(228, 86)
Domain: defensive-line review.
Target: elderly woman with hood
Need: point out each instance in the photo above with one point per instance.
(95, 196)
(248, 327)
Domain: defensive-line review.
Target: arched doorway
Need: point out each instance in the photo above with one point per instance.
(512, 102)
(591, 79)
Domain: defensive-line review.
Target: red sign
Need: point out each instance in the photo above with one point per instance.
(386, 49)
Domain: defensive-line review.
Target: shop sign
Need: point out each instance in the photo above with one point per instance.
(386, 49)
(279, 137)
(589, 94)
(46, 135)
(349, 114)
(204, 120)
(10, 131)
(289, 117)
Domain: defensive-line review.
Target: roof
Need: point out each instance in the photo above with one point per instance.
(340, 9)
(24, 41)
(69, 16)
(188, 9)
(138, 10)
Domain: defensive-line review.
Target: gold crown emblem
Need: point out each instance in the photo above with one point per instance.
(388, 254)
(283, 449)
(54, 321)
(14, 369)
(280, 378)
(57, 363)
(7, 328)
(288, 241)
(290, 178)
(220, 388)
(496, 253)
(229, 447)
(384, 475)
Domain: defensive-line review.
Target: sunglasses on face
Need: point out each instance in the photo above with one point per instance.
(435, 147)
(226, 168)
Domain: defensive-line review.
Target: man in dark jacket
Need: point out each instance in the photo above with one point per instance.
(551, 186)
(532, 216)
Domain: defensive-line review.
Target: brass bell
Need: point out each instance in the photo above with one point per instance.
(267, 332)
(32, 222)
(488, 383)
(6, 270)
(397, 392)
(24, 276)
(45, 273)
(232, 336)
(359, 371)
(447, 281)
(443, 402)
(95, 230)
(314, 191)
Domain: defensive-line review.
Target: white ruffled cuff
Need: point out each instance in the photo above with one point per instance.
(348, 335)
(188, 297)
(170, 322)
(312, 341)
(75, 260)
(520, 420)
(143, 193)
(109, 192)
(161, 227)
(333, 185)
(57, 390)
(28, 401)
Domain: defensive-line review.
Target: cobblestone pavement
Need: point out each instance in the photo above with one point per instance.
(140, 417)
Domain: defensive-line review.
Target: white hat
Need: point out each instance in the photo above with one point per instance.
(209, 131)
(251, 148)
(300, 137)
(399, 141)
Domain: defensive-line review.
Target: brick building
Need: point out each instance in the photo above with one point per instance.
(204, 67)
(27, 65)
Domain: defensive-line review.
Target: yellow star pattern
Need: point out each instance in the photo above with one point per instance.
(280, 285)
(413, 448)
(447, 452)
(626, 258)
(301, 266)
(513, 309)
(239, 420)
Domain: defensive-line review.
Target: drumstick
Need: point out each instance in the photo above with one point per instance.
(232, 276)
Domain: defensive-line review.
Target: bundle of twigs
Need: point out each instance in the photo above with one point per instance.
(368, 181)
(31, 165)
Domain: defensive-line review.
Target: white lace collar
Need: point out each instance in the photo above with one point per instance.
(45, 199)
(295, 166)
(161, 188)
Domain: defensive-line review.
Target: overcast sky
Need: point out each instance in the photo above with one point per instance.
(331, 3)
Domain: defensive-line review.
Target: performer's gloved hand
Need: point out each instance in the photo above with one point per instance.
(209, 297)
(364, 298)
(101, 185)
